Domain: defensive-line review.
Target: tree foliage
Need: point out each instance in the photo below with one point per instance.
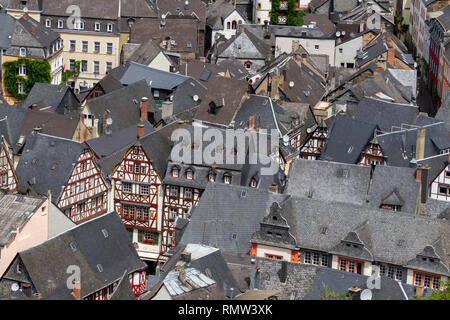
(443, 294)
(275, 12)
(37, 71)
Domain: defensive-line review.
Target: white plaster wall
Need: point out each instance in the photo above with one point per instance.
(262, 250)
(284, 44)
(348, 54)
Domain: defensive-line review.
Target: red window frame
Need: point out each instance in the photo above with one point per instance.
(355, 261)
(423, 274)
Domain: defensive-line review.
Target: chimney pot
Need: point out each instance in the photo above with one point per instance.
(180, 123)
(391, 57)
(33, 29)
(144, 109)
(420, 143)
(140, 130)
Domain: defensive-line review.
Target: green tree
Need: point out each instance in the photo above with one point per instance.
(439, 294)
(291, 16)
(275, 12)
(37, 71)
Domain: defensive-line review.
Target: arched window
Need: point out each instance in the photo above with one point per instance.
(234, 25)
(253, 183)
(228, 25)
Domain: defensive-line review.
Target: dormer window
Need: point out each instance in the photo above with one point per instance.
(97, 26)
(48, 23)
(175, 172)
(189, 174)
(110, 27)
(253, 183)
(23, 52)
(60, 24)
(227, 178)
(211, 177)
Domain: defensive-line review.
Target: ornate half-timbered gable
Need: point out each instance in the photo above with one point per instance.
(372, 154)
(136, 185)
(138, 282)
(440, 186)
(8, 176)
(86, 193)
(312, 149)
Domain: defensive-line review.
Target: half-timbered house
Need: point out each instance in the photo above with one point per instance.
(66, 169)
(185, 181)
(438, 176)
(136, 172)
(8, 178)
(100, 249)
(313, 146)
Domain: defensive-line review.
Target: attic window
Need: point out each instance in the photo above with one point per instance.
(234, 236)
(274, 218)
(175, 172)
(19, 268)
(73, 246)
(323, 230)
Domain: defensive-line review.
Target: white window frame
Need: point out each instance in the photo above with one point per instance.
(23, 52)
(20, 89)
(96, 63)
(60, 24)
(48, 23)
(110, 27)
(97, 26)
(23, 70)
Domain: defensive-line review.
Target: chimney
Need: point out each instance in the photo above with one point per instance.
(144, 109)
(180, 124)
(34, 106)
(391, 57)
(420, 143)
(185, 256)
(140, 130)
(76, 291)
(26, 16)
(422, 177)
(33, 29)
(37, 129)
(251, 122)
(182, 276)
(49, 195)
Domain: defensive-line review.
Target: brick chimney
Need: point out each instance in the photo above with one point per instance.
(26, 16)
(251, 122)
(391, 57)
(420, 143)
(144, 109)
(76, 291)
(33, 29)
(140, 130)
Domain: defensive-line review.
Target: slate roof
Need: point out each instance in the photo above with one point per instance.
(11, 121)
(32, 5)
(195, 8)
(103, 8)
(218, 11)
(321, 21)
(146, 53)
(15, 211)
(138, 9)
(390, 237)
(341, 281)
(222, 212)
(346, 139)
(132, 72)
(443, 113)
(50, 123)
(400, 146)
(436, 163)
(183, 30)
(46, 164)
(231, 102)
(50, 95)
(7, 25)
(108, 144)
(123, 105)
(242, 45)
(352, 184)
(385, 114)
(371, 53)
(47, 263)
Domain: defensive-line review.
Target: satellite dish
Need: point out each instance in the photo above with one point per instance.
(195, 98)
(366, 294)
(308, 130)
(291, 84)
(338, 33)
(15, 287)
(109, 121)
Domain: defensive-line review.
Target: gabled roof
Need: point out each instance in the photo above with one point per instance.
(391, 237)
(46, 164)
(218, 11)
(105, 9)
(15, 211)
(385, 114)
(50, 123)
(108, 144)
(103, 252)
(11, 121)
(146, 53)
(123, 105)
(7, 24)
(51, 95)
(226, 219)
(132, 72)
(244, 45)
(346, 139)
